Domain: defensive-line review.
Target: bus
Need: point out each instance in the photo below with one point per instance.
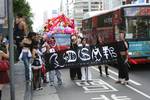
(134, 19)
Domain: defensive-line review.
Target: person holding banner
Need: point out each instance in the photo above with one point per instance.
(123, 65)
(100, 42)
(51, 62)
(74, 71)
(85, 71)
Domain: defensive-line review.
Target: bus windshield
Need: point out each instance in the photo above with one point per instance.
(138, 28)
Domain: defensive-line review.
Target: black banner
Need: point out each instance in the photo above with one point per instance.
(84, 56)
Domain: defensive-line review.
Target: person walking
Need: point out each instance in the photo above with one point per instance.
(26, 55)
(123, 68)
(4, 79)
(76, 71)
(100, 43)
(20, 30)
(85, 71)
(50, 62)
(36, 67)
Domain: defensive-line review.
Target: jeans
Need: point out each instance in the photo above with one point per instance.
(52, 76)
(26, 61)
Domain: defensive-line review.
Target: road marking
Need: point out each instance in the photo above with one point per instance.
(140, 92)
(102, 97)
(134, 82)
(113, 97)
(132, 88)
(96, 85)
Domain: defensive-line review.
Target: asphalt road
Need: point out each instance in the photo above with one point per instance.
(104, 88)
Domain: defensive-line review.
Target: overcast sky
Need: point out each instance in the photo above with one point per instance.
(41, 6)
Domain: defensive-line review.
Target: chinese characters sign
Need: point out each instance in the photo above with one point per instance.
(84, 56)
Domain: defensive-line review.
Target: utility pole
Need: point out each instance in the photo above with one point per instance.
(11, 47)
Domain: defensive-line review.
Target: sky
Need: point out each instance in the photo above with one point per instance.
(39, 7)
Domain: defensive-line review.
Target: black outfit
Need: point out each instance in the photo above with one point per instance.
(18, 37)
(36, 72)
(75, 71)
(122, 65)
(100, 69)
(123, 69)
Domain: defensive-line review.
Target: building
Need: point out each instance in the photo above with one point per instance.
(77, 8)
(80, 7)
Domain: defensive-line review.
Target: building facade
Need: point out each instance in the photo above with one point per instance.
(83, 6)
(77, 8)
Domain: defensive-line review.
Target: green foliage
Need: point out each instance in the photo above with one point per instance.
(23, 7)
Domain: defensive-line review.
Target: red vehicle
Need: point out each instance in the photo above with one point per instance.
(134, 19)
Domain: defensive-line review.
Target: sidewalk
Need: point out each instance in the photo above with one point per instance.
(19, 84)
(48, 93)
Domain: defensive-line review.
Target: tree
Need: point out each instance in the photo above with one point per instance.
(23, 7)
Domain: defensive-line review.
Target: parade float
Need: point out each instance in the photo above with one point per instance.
(61, 28)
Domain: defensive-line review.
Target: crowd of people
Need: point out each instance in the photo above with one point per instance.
(35, 51)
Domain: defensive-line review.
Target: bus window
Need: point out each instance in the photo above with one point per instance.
(138, 28)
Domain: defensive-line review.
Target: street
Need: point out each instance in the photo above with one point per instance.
(104, 88)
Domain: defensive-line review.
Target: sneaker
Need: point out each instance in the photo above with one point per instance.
(125, 83)
(40, 88)
(51, 83)
(107, 74)
(118, 82)
(89, 80)
(60, 83)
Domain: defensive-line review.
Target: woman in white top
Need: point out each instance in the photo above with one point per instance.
(85, 71)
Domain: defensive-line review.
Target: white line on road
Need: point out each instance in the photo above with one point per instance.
(132, 88)
(142, 93)
(134, 82)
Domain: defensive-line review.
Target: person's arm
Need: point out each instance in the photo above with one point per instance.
(4, 55)
(25, 40)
